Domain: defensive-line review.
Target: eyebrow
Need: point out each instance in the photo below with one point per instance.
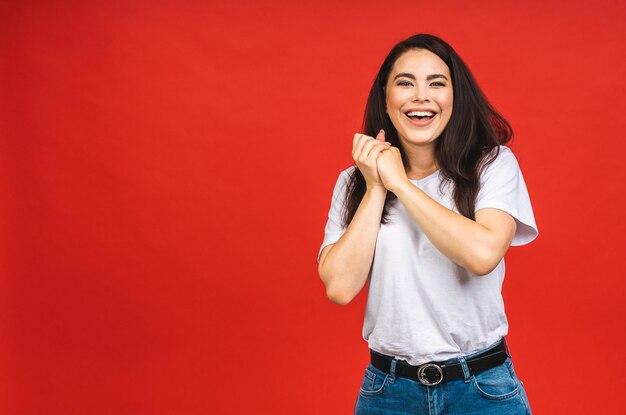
(411, 76)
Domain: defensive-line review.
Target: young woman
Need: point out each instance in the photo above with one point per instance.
(426, 215)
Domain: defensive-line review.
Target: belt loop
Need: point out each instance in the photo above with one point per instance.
(392, 370)
(466, 372)
(506, 346)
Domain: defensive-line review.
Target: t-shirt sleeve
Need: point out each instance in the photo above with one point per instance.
(502, 186)
(334, 228)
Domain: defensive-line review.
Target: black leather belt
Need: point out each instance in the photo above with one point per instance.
(431, 374)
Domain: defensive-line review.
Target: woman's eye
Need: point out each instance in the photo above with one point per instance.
(438, 84)
(405, 83)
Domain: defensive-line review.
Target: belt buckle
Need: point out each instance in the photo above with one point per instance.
(421, 374)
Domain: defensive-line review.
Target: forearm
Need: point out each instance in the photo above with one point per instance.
(464, 241)
(346, 267)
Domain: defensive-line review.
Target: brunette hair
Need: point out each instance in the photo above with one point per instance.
(464, 148)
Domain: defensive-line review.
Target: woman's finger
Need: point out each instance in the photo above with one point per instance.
(375, 145)
(367, 147)
(373, 155)
(381, 135)
(355, 139)
(359, 141)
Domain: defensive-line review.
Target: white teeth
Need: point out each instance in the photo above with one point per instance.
(420, 114)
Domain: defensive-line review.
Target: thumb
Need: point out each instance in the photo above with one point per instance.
(381, 135)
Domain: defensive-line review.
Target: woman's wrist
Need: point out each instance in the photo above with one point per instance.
(376, 190)
(404, 188)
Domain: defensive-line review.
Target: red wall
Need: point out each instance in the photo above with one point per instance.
(166, 171)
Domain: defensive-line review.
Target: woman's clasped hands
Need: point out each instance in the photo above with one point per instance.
(379, 162)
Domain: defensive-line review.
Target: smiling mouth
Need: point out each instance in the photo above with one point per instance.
(420, 115)
(421, 118)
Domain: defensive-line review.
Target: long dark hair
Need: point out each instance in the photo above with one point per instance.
(465, 146)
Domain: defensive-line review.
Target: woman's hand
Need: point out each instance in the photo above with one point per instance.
(391, 169)
(365, 151)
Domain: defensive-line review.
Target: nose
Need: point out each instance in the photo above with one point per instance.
(420, 95)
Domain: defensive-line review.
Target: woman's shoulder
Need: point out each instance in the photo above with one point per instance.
(349, 170)
(500, 156)
(343, 178)
(346, 173)
(502, 151)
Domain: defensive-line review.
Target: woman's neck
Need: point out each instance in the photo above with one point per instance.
(421, 161)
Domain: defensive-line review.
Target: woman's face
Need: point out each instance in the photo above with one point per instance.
(419, 97)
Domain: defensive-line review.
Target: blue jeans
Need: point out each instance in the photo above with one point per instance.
(493, 392)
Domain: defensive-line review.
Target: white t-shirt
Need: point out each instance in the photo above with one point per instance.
(421, 306)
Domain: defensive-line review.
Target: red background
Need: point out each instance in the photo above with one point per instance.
(167, 169)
